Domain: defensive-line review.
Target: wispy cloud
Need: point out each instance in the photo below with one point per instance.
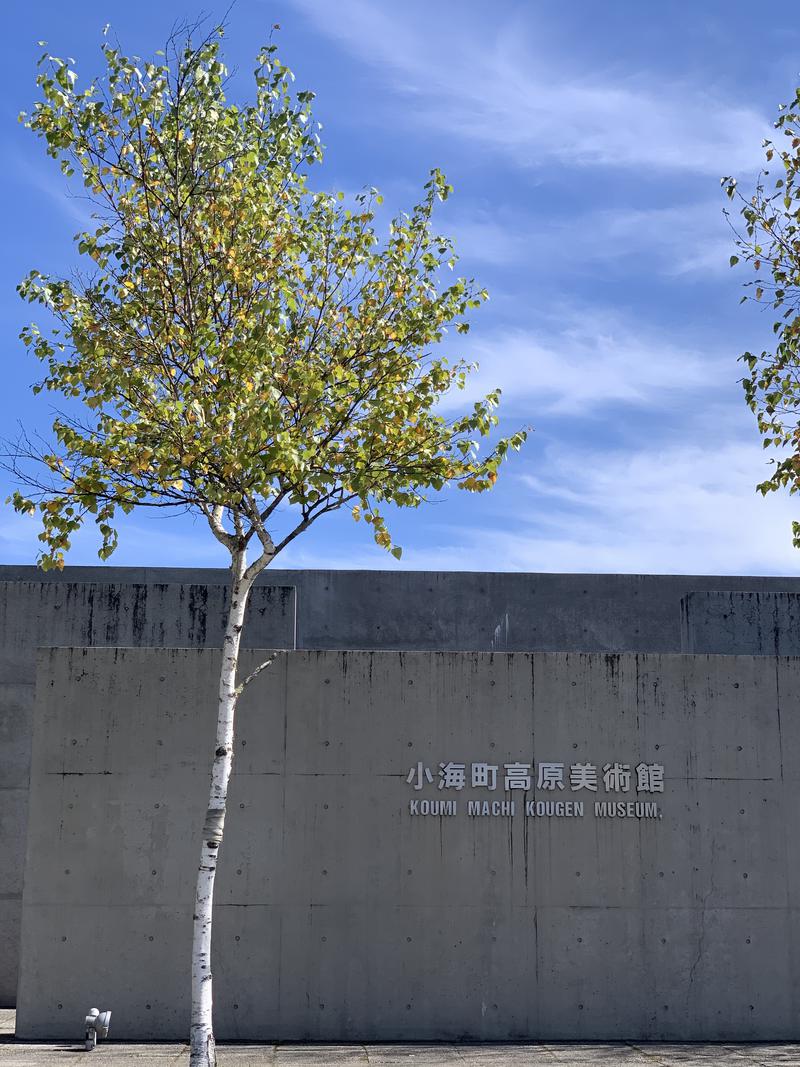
(682, 509)
(685, 508)
(679, 239)
(578, 361)
(494, 87)
(67, 197)
(672, 510)
(675, 240)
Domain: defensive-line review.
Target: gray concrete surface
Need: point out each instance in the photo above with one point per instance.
(577, 1054)
(339, 609)
(539, 1055)
(35, 614)
(460, 610)
(341, 915)
(731, 623)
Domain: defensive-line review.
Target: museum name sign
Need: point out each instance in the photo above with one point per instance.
(617, 790)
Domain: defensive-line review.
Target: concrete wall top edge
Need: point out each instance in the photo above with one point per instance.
(168, 575)
(408, 654)
(117, 580)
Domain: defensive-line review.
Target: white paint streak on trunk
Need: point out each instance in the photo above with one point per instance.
(203, 1052)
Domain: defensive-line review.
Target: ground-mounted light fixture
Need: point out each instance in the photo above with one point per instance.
(97, 1024)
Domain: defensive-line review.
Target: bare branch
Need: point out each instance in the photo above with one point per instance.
(240, 688)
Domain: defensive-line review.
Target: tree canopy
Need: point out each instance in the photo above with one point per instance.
(769, 241)
(240, 343)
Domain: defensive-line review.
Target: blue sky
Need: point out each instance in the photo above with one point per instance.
(585, 142)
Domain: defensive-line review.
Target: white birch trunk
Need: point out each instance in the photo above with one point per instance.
(203, 1053)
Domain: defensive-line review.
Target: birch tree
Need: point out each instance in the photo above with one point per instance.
(239, 346)
(768, 241)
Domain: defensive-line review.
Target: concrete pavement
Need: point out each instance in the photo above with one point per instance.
(567, 1054)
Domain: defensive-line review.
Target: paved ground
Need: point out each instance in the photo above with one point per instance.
(567, 1054)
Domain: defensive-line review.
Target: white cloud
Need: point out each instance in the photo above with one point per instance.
(67, 196)
(680, 239)
(685, 508)
(493, 87)
(681, 509)
(498, 241)
(583, 360)
(674, 510)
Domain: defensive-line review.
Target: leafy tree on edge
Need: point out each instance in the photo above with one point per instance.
(770, 241)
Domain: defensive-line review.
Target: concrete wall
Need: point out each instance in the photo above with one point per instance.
(343, 915)
(462, 611)
(338, 609)
(760, 624)
(37, 613)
